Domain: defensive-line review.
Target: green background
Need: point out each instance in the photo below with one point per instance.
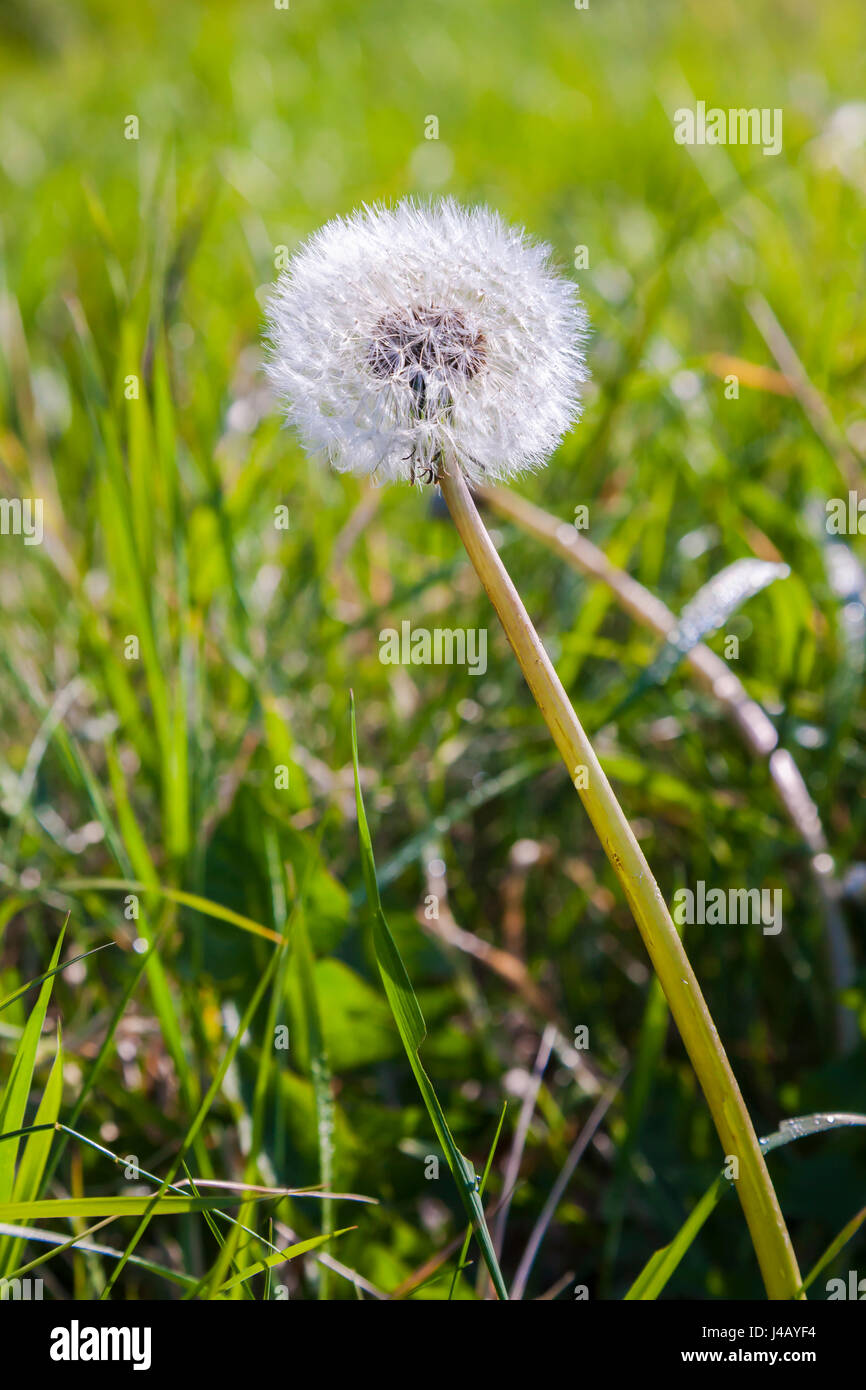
(151, 258)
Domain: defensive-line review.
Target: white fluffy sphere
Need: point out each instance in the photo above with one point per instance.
(402, 338)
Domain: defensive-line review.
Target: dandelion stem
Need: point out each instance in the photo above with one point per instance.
(760, 1204)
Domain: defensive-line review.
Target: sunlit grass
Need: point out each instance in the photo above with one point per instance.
(188, 796)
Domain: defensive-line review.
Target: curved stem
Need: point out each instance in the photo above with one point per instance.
(761, 1207)
(749, 719)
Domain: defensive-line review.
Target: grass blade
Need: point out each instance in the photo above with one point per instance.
(60, 1244)
(31, 1169)
(850, 1229)
(413, 1030)
(174, 895)
(659, 1268)
(201, 1114)
(281, 1256)
(31, 984)
(707, 611)
(461, 1262)
(90, 1208)
(18, 1087)
(320, 1073)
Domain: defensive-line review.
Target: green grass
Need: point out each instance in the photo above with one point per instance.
(193, 792)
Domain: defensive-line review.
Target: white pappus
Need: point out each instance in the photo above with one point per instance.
(403, 338)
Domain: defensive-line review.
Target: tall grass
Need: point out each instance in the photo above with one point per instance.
(188, 796)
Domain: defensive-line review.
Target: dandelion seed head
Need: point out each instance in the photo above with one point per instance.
(424, 344)
(403, 338)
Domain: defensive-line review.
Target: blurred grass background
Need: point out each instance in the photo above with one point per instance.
(138, 268)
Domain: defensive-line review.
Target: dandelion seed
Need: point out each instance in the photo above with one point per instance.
(399, 337)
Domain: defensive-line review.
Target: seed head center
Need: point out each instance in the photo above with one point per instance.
(425, 342)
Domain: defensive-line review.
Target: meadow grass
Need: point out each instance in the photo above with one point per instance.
(176, 773)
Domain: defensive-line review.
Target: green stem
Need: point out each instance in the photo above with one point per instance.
(761, 1206)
